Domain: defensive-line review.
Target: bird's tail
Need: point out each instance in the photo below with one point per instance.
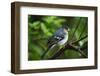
(44, 54)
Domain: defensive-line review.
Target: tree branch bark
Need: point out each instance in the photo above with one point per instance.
(80, 39)
(70, 46)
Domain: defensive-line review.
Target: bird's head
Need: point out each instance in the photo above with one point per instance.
(66, 27)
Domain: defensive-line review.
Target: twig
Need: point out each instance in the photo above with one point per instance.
(82, 32)
(70, 46)
(76, 28)
(58, 53)
(79, 39)
(78, 50)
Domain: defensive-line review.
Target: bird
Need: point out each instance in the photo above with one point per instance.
(59, 38)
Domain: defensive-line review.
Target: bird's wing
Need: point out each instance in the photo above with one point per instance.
(54, 40)
(57, 36)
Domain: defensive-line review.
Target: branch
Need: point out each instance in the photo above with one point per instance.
(76, 28)
(70, 46)
(82, 31)
(58, 53)
(78, 50)
(79, 39)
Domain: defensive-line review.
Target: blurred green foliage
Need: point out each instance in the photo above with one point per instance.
(40, 28)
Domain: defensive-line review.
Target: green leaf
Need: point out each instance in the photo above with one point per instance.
(44, 28)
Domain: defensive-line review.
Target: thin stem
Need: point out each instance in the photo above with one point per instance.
(76, 28)
(82, 31)
(70, 46)
(78, 50)
(80, 39)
